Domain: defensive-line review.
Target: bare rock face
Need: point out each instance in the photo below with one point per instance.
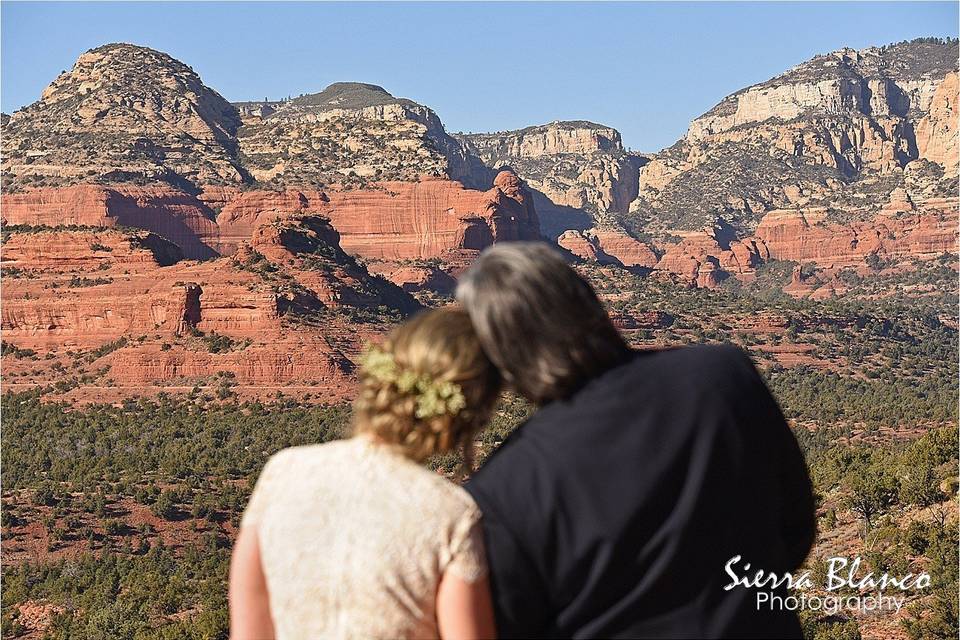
(415, 277)
(903, 229)
(128, 165)
(88, 250)
(429, 218)
(839, 131)
(848, 155)
(803, 236)
(139, 141)
(578, 137)
(396, 220)
(879, 83)
(166, 211)
(123, 113)
(581, 245)
(629, 251)
(608, 247)
(573, 165)
(288, 308)
(706, 258)
(936, 132)
(262, 365)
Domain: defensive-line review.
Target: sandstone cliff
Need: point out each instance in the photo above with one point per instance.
(121, 311)
(608, 247)
(836, 139)
(425, 219)
(579, 170)
(832, 131)
(164, 210)
(131, 137)
(126, 114)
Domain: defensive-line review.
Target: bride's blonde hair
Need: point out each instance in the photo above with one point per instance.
(429, 387)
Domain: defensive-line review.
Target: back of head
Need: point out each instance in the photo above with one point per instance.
(429, 388)
(538, 320)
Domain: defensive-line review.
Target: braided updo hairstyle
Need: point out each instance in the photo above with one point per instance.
(439, 346)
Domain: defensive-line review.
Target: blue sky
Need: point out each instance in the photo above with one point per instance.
(646, 69)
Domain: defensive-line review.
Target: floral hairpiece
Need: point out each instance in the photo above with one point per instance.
(434, 397)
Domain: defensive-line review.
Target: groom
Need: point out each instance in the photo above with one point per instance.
(614, 511)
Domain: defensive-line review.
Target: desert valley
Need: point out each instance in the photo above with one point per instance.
(187, 284)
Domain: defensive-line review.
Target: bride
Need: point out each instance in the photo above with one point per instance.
(356, 538)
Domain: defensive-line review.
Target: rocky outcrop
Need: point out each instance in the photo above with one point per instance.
(608, 247)
(707, 258)
(576, 137)
(94, 250)
(103, 305)
(842, 130)
(879, 82)
(137, 314)
(629, 251)
(427, 219)
(849, 154)
(129, 114)
(275, 364)
(574, 165)
(166, 211)
(123, 113)
(936, 133)
(806, 236)
(902, 230)
(307, 248)
(581, 245)
(241, 212)
(350, 134)
(395, 220)
(415, 277)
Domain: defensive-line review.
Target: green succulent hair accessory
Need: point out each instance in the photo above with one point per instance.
(434, 397)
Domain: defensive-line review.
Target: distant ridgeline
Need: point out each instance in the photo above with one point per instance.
(187, 215)
(855, 149)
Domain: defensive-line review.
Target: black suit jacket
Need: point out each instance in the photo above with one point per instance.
(613, 513)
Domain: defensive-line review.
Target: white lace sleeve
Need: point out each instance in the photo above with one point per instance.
(468, 559)
(260, 497)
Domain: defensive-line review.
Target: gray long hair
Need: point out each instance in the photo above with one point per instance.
(538, 320)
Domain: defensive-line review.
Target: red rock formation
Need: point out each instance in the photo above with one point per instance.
(414, 277)
(902, 229)
(306, 248)
(629, 251)
(702, 259)
(937, 135)
(243, 211)
(276, 363)
(577, 243)
(170, 213)
(608, 247)
(429, 218)
(92, 251)
(136, 303)
(82, 290)
(804, 236)
(392, 220)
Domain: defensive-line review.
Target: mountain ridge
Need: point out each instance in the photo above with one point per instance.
(844, 133)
